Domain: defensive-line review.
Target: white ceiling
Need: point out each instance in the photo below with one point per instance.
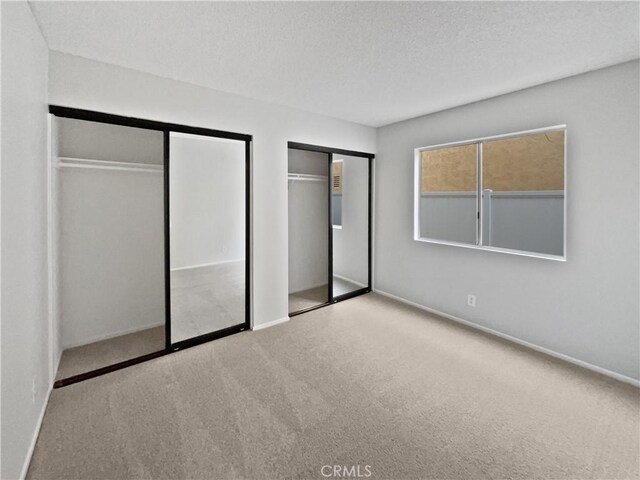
(372, 63)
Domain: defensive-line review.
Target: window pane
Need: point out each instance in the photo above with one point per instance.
(336, 192)
(448, 194)
(523, 193)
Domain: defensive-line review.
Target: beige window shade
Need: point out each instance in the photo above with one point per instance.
(336, 177)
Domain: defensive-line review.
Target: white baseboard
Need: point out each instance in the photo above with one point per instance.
(318, 285)
(57, 365)
(347, 279)
(201, 265)
(524, 343)
(269, 324)
(36, 433)
(107, 336)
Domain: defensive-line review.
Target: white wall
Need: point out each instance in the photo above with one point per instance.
(81, 83)
(110, 229)
(308, 222)
(111, 253)
(351, 242)
(586, 307)
(115, 143)
(25, 345)
(207, 200)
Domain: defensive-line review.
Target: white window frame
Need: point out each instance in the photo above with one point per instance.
(478, 245)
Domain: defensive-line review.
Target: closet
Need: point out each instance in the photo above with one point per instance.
(150, 238)
(308, 198)
(329, 213)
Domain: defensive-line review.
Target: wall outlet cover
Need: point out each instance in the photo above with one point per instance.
(471, 300)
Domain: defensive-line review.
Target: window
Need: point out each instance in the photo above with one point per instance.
(503, 193)
(337, 169)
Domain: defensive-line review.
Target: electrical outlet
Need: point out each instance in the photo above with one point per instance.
(471, 300)
(33, 390)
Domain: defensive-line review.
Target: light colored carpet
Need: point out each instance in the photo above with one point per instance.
(107, 352)
(308, 298)
(363, 382)
(207, 299)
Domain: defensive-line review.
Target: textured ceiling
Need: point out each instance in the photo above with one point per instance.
(373, 63)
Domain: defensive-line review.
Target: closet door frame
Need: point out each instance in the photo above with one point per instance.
(370, 159)
(167, 128)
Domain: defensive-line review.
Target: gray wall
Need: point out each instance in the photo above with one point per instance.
(111, 253)
(25, 330)
(586, 307)
(308, 222)
(207, 196)
(101, 141)
(110, 230)
(350, 243)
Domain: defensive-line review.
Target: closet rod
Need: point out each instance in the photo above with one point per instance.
(68, 162)
(306, 177)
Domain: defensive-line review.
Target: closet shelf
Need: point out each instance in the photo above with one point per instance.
(68, 162)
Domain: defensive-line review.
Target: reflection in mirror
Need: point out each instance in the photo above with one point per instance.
(336, 193)
(448, 194)
(523, 193)
(308, 223)
(350, 194)
(207, 228)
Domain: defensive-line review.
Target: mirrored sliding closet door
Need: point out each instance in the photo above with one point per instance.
(350, 224)
(329, 226)
(207, 223)
(309, 260)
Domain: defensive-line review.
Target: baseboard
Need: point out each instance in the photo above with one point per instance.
(323, 284)
(524, 343)
(270, 324)
(36, 433)
(347, 279)
(201, 265)
(57, 366)
(107, 336)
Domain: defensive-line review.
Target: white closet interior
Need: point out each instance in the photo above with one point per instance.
(108, 203)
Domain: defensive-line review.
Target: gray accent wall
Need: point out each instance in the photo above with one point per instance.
(587, 307)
